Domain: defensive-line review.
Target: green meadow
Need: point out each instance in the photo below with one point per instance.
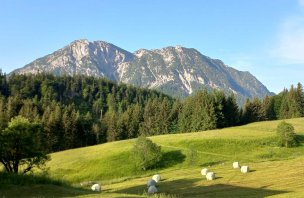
(275, 171)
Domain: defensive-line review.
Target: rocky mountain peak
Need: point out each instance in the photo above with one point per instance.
(139, 53)
(177, 71)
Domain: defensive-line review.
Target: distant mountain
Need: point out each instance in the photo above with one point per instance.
(176, 71)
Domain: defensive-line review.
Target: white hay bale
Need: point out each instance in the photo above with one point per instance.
(245, 169)
(96, 188)
(156, 178)
(151, 182)
(204, 171)
(236, 165)
(152, 190)
(210, 176)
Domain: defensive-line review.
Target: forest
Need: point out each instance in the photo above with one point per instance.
(81, 111)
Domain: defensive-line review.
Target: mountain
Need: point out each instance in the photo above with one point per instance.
(177, 71)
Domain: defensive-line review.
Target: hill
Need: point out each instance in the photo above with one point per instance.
(277, 172)
(177, 71)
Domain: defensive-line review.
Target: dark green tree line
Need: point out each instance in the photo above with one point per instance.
(80, 111)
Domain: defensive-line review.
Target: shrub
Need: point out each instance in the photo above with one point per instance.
(21, 147)
(146, 154)
(286, 135)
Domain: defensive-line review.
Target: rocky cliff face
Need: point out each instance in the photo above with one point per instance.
(177, 71)
(81, 57)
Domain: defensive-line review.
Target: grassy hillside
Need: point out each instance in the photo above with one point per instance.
(277, 172)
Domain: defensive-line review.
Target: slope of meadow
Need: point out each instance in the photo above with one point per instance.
(277, 172)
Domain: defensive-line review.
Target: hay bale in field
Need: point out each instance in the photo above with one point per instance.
(236, 165)
(152, 190)
(210, 176)
(151, 182)
(204, 171)
(156, 178)
(96, 188)
(245, 169)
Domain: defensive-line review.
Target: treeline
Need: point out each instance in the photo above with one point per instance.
(287, 104)
(80, 111)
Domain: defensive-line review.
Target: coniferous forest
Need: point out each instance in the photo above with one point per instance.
(81, 111)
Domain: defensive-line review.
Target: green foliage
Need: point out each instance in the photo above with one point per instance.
(20, 146)
(287, 104)
(286, 134)
(208, 110)
(253, 111)
(81, 111)
(146, 154)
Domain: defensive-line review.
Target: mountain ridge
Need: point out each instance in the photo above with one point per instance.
(177, 71)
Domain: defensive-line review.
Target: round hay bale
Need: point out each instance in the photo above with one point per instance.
(152, 190)
(245, 169)
(210, 176)
(204, 171)
(151, 182)
(96, 188)
(236, 165)
(156, 178)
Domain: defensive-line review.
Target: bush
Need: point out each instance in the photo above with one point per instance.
(286, 135)
(146, 154)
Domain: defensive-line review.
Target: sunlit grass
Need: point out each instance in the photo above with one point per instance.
(253, 142)
(276, 171)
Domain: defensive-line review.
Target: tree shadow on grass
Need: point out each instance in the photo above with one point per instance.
(17, 185)
(44, 190)
(171, 158)
(300, 138)
(202, 188)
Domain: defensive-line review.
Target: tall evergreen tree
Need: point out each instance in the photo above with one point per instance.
(231, 111)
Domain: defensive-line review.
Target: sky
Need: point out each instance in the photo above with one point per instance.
(264, 37)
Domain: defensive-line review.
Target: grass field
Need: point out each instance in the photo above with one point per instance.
(276, 172)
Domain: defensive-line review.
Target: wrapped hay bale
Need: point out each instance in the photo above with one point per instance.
(245, 169)
(236, 165)
(152, 190)
(204, 171)
(210, 176)
(96, 188)
(156, 178)
(151, 182)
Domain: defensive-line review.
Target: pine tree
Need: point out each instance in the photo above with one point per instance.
(110, 120)
(3, 114)
(268, 108)
(300, 99)
(203, 112)
(231, 111)
(253, 111)
(185, 115)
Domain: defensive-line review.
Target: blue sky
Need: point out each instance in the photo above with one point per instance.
(264, 37)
